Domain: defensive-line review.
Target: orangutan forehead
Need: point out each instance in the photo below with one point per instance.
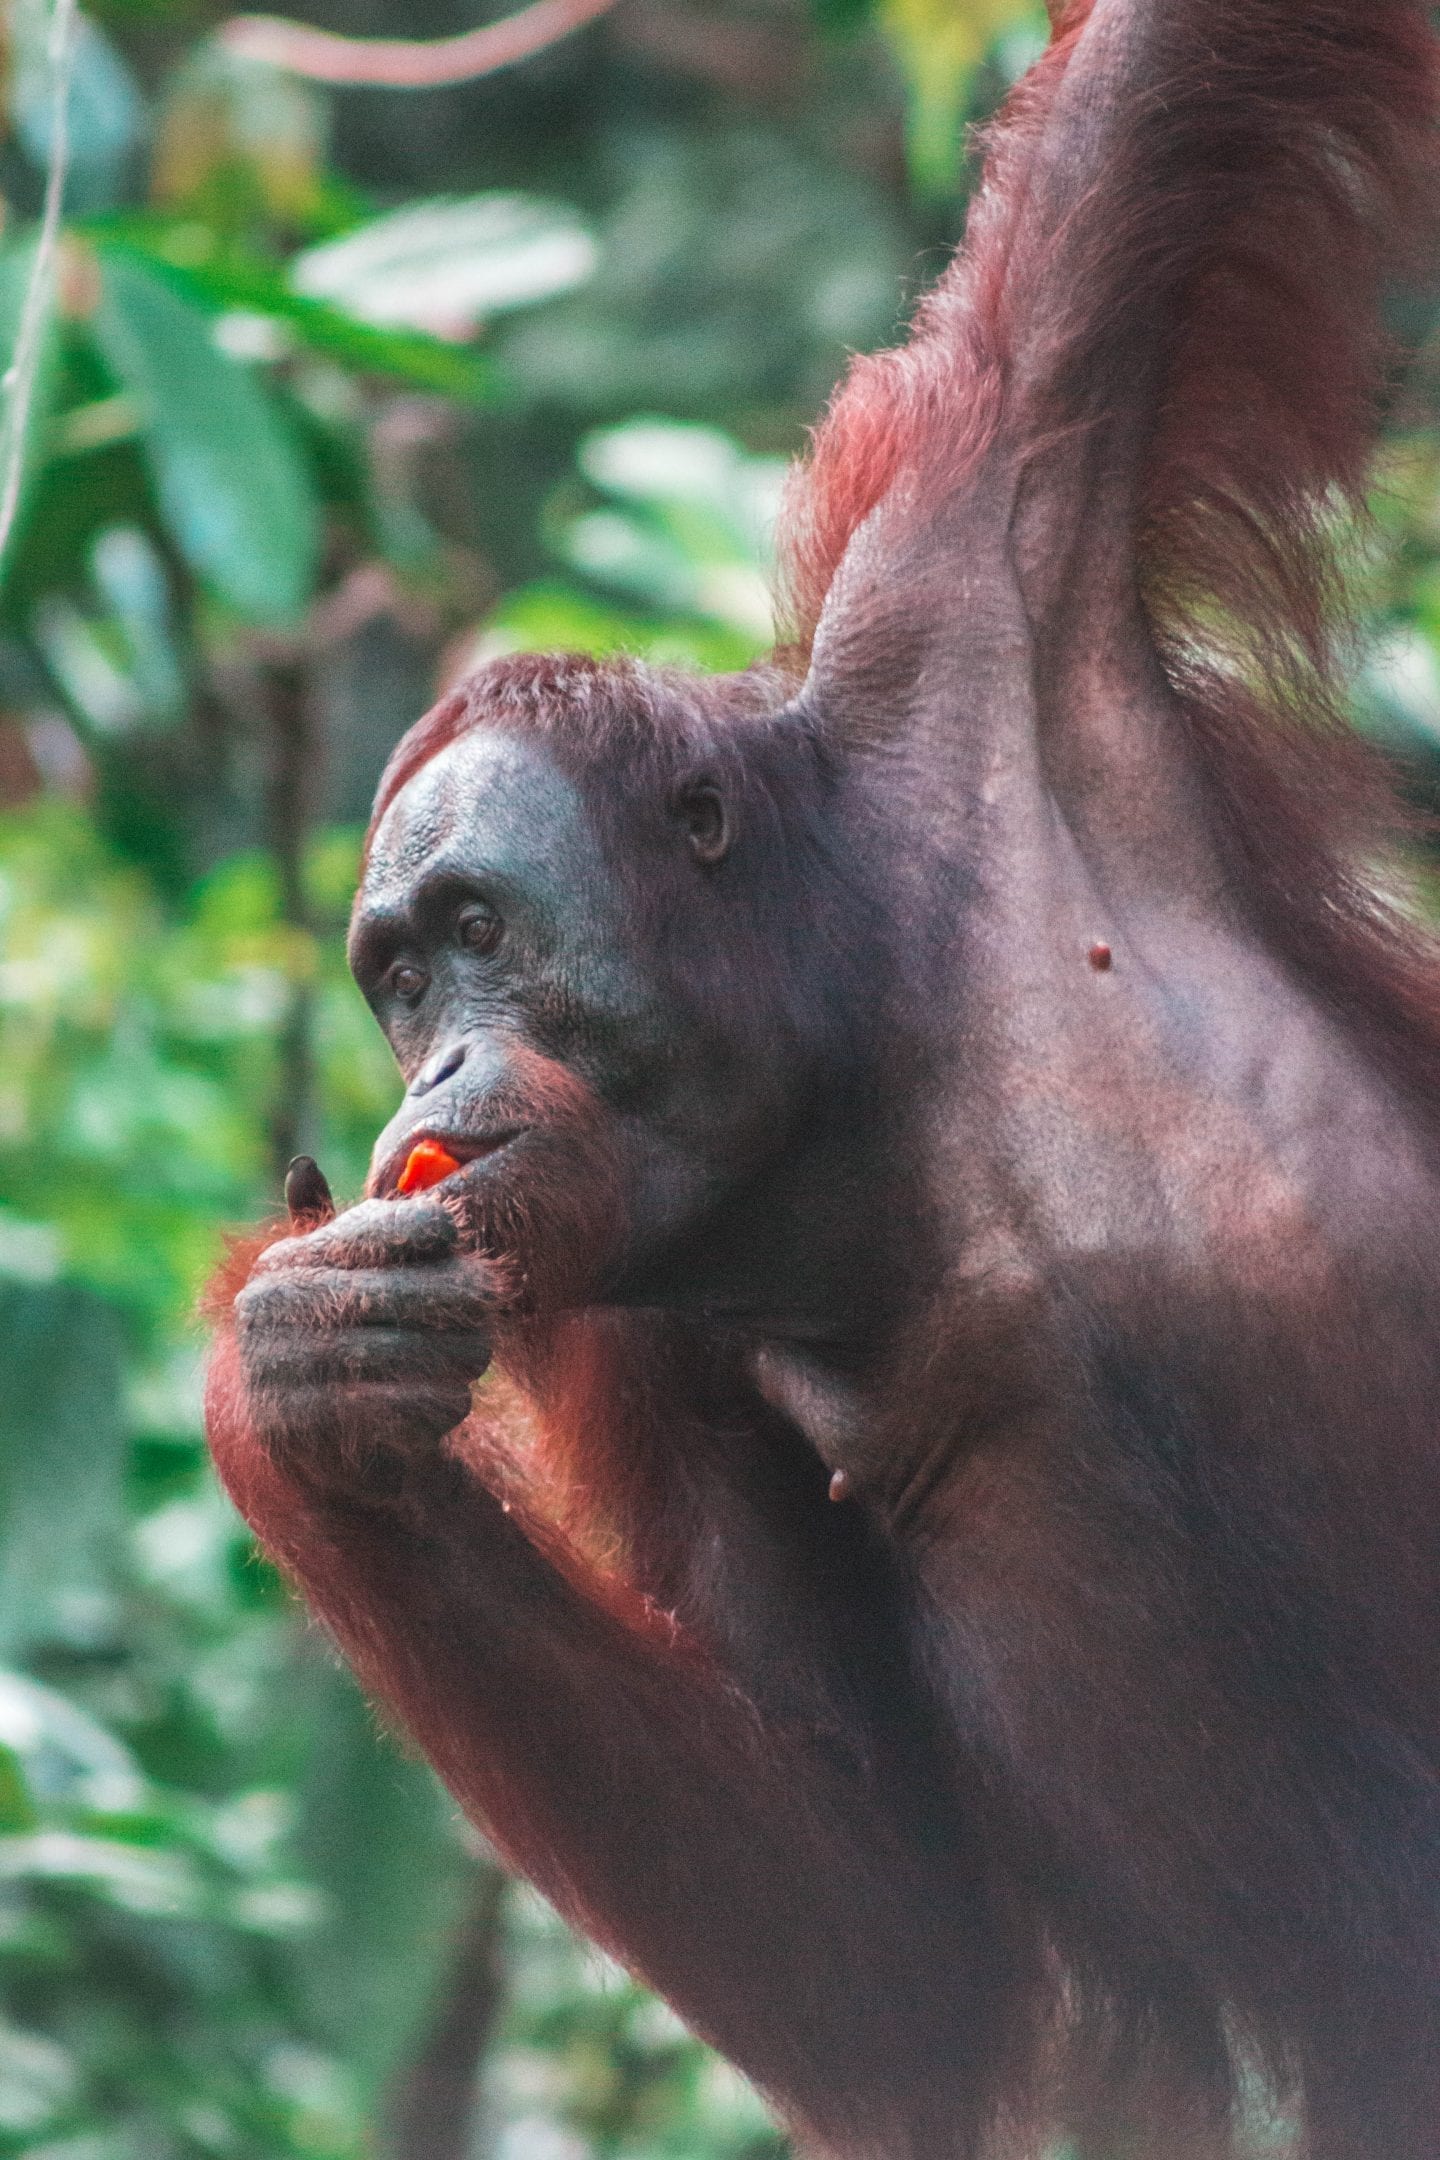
(491, 802)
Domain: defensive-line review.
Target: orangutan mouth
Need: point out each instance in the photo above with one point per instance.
(432, 1160)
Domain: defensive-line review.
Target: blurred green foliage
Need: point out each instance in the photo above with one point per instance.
(338, 393)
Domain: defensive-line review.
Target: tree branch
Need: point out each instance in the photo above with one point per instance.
(286, 693)
(407, 63)
(431, 2110)
(19, 381)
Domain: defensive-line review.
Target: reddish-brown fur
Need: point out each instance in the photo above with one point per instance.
(1081, 1774)
(1223, 244)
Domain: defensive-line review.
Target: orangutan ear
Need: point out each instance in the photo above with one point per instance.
(704, 815)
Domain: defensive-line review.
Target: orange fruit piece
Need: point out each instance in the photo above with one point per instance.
(425, 1166)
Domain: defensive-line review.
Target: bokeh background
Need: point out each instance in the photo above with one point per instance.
(341, 389)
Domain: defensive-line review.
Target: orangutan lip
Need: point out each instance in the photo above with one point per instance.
(472, 1150)
(466, 1149)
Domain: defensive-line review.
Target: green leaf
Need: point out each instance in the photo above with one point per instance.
(165, 1884)
(62, 1755)
(410, 356)
(233, 489)
(37, 2079)
(940, 46)
(690, 530)
(449, 265)
(667, 461)
(106, 114)
(17, 267)
(17, 1809)
(195, 262)
(550, 616)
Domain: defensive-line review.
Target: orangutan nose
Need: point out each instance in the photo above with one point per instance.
(442, 1066)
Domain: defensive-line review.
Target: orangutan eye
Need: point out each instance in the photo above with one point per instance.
(478, 928)
(406, 981)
